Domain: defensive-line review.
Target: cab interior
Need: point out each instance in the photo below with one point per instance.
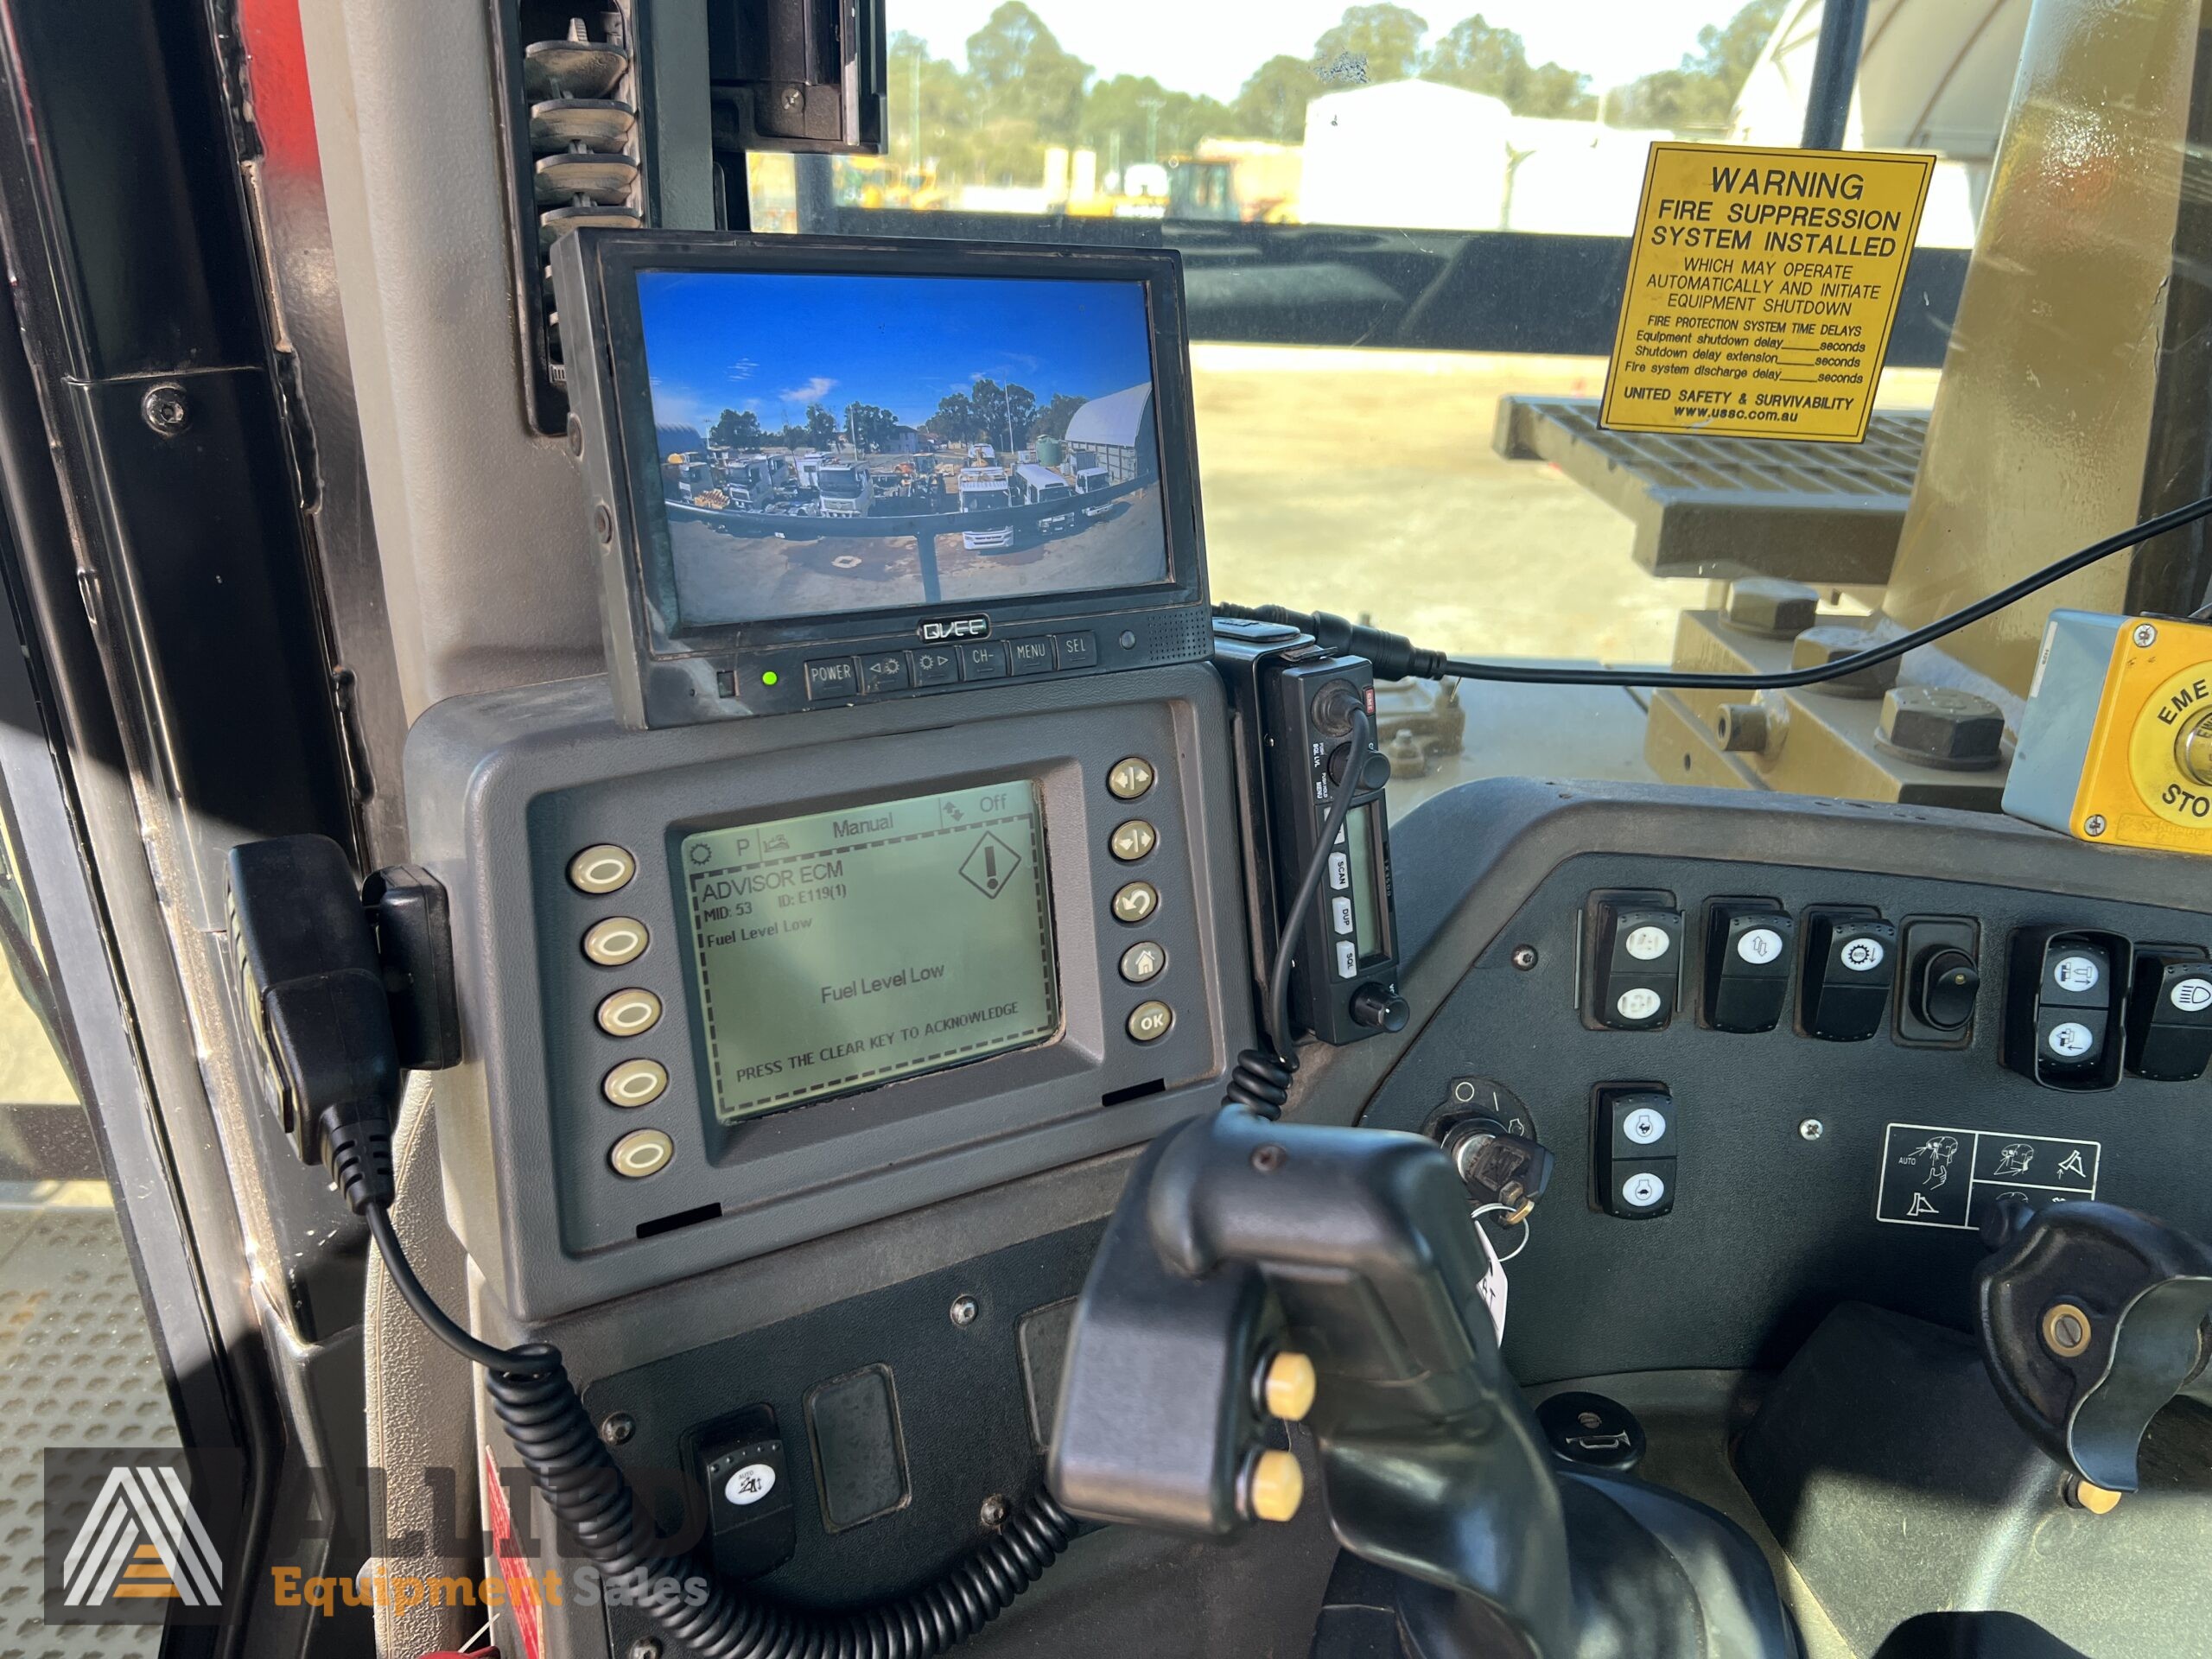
(866, 829)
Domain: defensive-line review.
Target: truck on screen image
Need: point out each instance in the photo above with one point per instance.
(1093, 480)
(845, 491)
(1033, 484)
(983, 489)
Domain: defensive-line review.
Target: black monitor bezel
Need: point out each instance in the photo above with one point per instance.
(663, 677)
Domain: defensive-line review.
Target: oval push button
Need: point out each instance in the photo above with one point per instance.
(1148, 1021)
(1131, 777)
(625, 1014)
(615, 940)
(603, 868)
(1136, 901)
(641, 1153)
(1133, 840)
(635, 1083)
(1142, 961)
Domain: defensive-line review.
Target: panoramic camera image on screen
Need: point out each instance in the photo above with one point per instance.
(836, 443)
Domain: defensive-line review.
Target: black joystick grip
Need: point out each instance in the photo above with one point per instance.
(2091, 1317)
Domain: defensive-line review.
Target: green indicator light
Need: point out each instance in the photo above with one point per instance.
(768, 676)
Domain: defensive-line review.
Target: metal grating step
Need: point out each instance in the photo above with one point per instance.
(1827, 513)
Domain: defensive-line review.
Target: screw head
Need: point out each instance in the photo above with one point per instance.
(602, 521)
(792, 97)
(1941, 727)
(993, 1512)
(1267, 1159)
(644, 1648)
(1779, 610)
(2066, 1330)
(617, 1427)
(1818, 648)
(2095, 824)
(1811, 1129)
(2145, 635)
(166, 409)
(964, 1310)
(1524, 956)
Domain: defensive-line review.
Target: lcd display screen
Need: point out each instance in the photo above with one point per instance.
(839, 951)
(1359, 833)
(833, 443)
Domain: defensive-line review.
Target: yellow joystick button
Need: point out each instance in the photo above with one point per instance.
(1289, 1387)
(1278, 1486)
(2095, 1499)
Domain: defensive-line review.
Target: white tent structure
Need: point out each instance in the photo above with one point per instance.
(1933, 75)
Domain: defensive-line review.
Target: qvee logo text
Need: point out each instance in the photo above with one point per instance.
(956, 627)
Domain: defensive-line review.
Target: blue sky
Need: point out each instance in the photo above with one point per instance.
(774, 343)
(1212, 46)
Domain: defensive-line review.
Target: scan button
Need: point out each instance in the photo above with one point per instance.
(831, 677)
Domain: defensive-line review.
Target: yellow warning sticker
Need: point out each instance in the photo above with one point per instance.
(1762, 285)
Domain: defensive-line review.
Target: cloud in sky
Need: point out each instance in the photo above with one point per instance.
(812, 393)
(742, 369)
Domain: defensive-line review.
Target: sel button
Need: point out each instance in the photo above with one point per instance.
(615, 940)
(635, 1083)
(1142, 961)
(1148, 1021)
(1136, 901)
(641, 1153)
(1078, 650)
(602, 869)
(1130, 777)
(1133, 840)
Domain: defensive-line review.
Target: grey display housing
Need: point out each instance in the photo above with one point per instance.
(505, 788)
(664, 672)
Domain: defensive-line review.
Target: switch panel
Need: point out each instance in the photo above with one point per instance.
(1637, 960)
(2170, 1014)
(1633, 1159)
(2064, 1006)
(1850, 965)
(1747, 950)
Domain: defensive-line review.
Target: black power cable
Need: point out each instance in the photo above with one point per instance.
(569, 1463)
(1261, 1080)
(1395, 657)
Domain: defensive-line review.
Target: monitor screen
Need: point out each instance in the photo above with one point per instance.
(836, 443)
(842, 950)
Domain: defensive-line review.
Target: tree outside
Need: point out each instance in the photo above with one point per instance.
(1023, 91)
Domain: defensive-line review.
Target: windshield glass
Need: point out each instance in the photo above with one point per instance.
(1406, 238)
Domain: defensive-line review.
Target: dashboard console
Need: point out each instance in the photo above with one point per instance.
(728, 986)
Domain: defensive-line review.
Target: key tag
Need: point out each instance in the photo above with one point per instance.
(1491, 1289)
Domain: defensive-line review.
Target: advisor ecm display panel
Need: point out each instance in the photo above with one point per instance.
(830, 443)
(841, 950)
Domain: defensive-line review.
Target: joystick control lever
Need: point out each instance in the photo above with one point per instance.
(2091, 1317)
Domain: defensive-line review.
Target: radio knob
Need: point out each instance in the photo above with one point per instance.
(1374, 767)
(1380, 1008)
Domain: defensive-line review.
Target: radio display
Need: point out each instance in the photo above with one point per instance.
(832, 442)
(839, 951)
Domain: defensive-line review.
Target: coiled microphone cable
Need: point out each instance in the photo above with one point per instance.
(570, 1465)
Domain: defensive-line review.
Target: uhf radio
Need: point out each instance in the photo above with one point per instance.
(1294, 703)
